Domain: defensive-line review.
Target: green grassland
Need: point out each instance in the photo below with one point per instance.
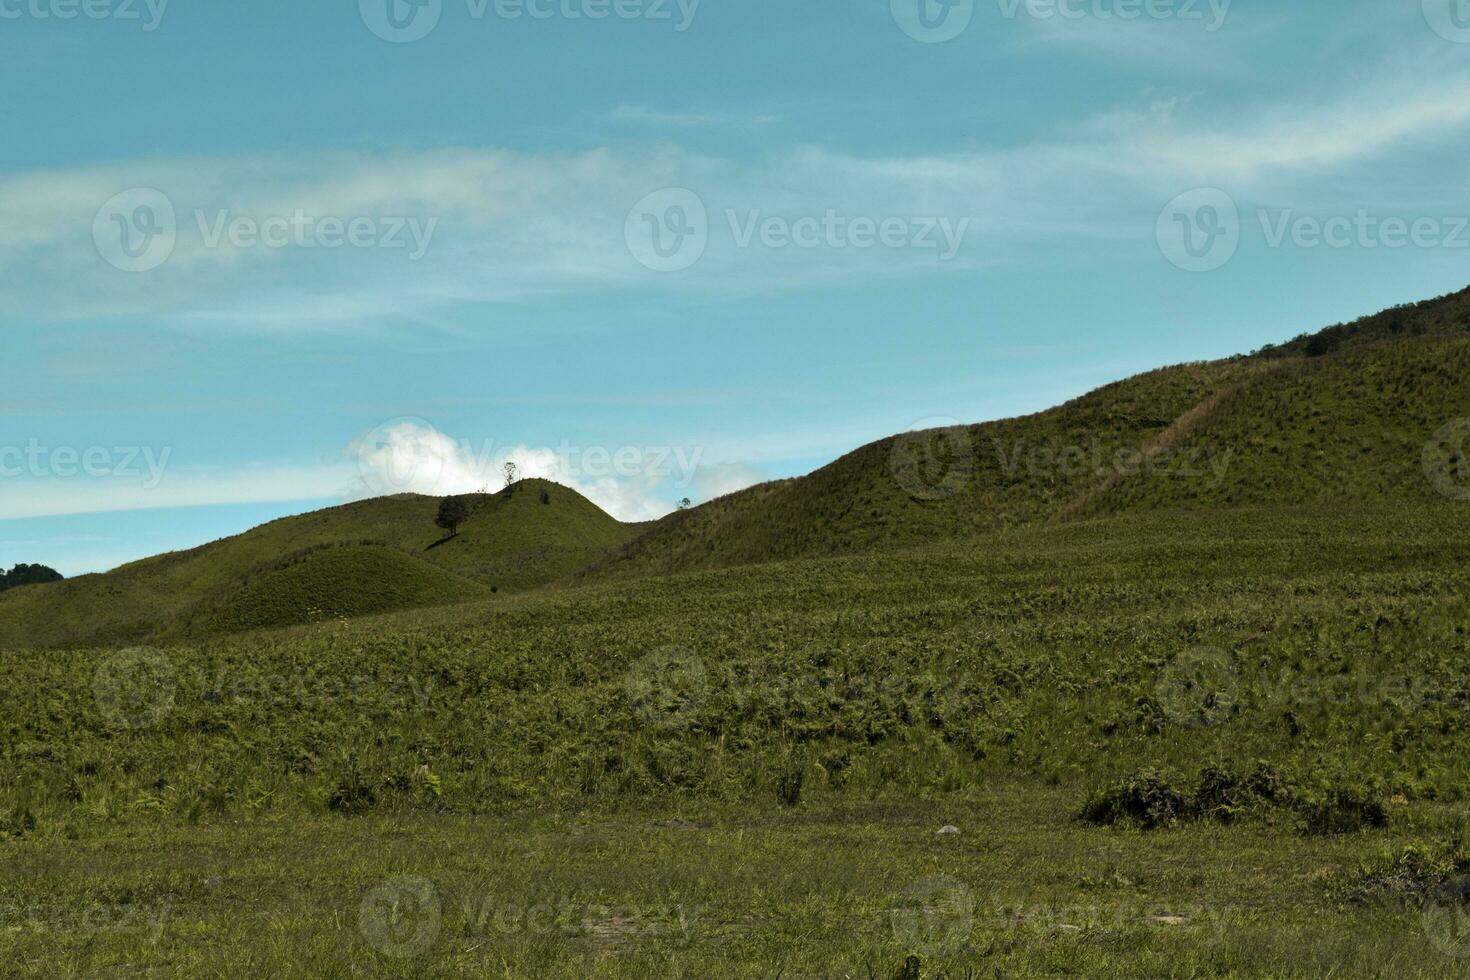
(777, 745)
(1185, 663)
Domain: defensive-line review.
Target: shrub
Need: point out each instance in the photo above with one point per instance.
(1343, 810)
(1270, 783)
(1149, 799)
(1221, 795)
(1146, 798)
(1411, 871)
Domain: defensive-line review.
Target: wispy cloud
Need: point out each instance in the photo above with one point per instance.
(55, 497)
(647, 115)
(505, 227)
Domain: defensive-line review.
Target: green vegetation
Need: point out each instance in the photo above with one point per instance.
(1441, 317)
(1336, 431)
(1308, 669)
(1180, 667)
(453, 511)
(24, 574)
(332, 582)
(512, 541)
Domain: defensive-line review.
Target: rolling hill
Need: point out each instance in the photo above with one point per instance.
(1342, 416)
(365, 557)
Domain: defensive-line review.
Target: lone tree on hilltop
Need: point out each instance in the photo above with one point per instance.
(453, 511)
(511, 472)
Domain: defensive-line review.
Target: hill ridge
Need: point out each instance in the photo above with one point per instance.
(517, 539)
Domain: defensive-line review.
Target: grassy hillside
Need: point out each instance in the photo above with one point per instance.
(330, 582)
(1036, 651)
(517, 539)
(1343, 428)
(930, 486)
(1354, 426)
(1339, 418)
(1215, 744)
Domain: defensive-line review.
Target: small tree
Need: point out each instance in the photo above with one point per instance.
(511, 472)
(685, 504)
(453, 511)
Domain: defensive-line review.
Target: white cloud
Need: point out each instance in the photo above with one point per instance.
(632, 483)
(515, 226)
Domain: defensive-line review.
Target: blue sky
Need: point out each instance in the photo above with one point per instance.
(260, 258)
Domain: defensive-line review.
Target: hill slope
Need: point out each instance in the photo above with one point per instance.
(1345, 427)
(527, 536)
(923, 487)
(331, 582)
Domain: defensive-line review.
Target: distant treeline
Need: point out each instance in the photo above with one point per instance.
(1442, 317)
(27, 575)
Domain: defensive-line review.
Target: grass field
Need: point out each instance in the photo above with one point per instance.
(695, 890)
(1225, 744)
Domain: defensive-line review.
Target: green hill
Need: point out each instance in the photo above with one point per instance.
(1345, 427)
(533, 533)
(1340, 417)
